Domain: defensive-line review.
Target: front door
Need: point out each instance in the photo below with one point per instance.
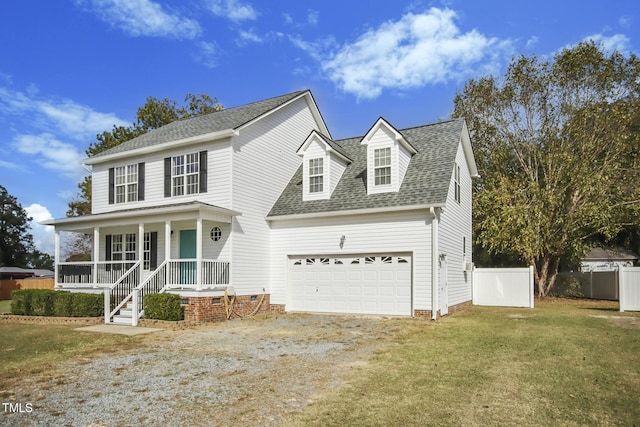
(188, 251)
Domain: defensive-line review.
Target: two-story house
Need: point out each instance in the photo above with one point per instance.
(256, 208)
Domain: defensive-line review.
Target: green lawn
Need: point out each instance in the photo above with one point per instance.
(5, 306)
(36, 349)
(562, 363)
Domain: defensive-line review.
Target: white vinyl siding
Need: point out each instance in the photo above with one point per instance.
(265, 148)
(218, 178)
(363, 234)
(455, 230)
(336, 169)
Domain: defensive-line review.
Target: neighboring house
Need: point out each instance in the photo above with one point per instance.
(607, 259)
(12, 273)
(259, 202)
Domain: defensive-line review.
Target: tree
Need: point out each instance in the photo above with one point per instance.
(16, 242)
(558, 151)
(152, 115)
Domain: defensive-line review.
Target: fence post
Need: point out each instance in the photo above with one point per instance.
(531, 287)
(621, 286)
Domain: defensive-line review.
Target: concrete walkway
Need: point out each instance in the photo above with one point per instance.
(119, 329)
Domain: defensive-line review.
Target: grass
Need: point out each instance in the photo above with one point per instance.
(5, 306)
(27, 350)
(569, 363)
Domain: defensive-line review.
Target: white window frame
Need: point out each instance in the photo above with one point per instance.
(185, 174)
(316, 175)
(126, 183)
(382, 166)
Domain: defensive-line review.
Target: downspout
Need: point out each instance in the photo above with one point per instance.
(434, 263)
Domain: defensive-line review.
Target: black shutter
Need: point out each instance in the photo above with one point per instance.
(140, 181)
(108, 255)
(153, 255)
(111, 185)
(167, 177)
(203, 171)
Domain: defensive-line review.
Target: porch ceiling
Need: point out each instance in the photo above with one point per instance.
(174, 212)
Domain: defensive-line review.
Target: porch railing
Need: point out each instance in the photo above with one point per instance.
(106, 272)
(119, 293)
(154, 284)
(183, 273)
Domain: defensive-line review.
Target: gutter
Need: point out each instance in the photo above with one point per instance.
(207, 137)
(363, 211)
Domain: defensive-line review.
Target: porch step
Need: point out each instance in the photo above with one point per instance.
(124, 316)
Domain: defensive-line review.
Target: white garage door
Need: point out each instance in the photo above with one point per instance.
(368, 284)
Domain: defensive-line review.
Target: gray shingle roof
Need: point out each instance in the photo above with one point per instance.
(426, 181)
(230, 118)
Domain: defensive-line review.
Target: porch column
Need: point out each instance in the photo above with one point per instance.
(167, 240)
(56, 257)
(199, 254)
(96, 254)
(141, 244)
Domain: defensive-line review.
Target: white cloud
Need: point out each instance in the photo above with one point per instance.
(625, 21)
(53, 154)
(288, 18)
(233, 10)
(249, 36)
(43, 235)
(207, 54)
(313, 17)
(74, 120)
(618, 42)
(144, 18)
(416, 50)
(531, 43)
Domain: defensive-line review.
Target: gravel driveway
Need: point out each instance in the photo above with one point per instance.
(246, 372)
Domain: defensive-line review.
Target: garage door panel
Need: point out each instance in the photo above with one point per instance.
(368, 284)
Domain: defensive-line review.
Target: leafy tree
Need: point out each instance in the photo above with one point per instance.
(16, 242)
(152, 115)
(558, 151)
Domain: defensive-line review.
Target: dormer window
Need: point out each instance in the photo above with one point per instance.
(316, 184)
(388, 157)
(382, 163)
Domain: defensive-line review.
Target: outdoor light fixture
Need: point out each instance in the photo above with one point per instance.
(342, 239)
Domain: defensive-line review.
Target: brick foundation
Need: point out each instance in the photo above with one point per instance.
(277, 309)
(426, 314)
(214, 309)
(422, 314)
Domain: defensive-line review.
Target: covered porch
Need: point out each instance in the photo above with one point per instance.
(183, 246)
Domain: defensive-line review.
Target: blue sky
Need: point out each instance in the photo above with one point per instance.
(70, 69)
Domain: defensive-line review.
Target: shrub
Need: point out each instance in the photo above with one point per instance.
(63, 304)
(21, 302)
(162, 307)
(41, 302)
(87, 305)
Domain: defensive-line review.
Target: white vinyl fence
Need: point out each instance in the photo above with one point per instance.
(506, 287)
(629, 282)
